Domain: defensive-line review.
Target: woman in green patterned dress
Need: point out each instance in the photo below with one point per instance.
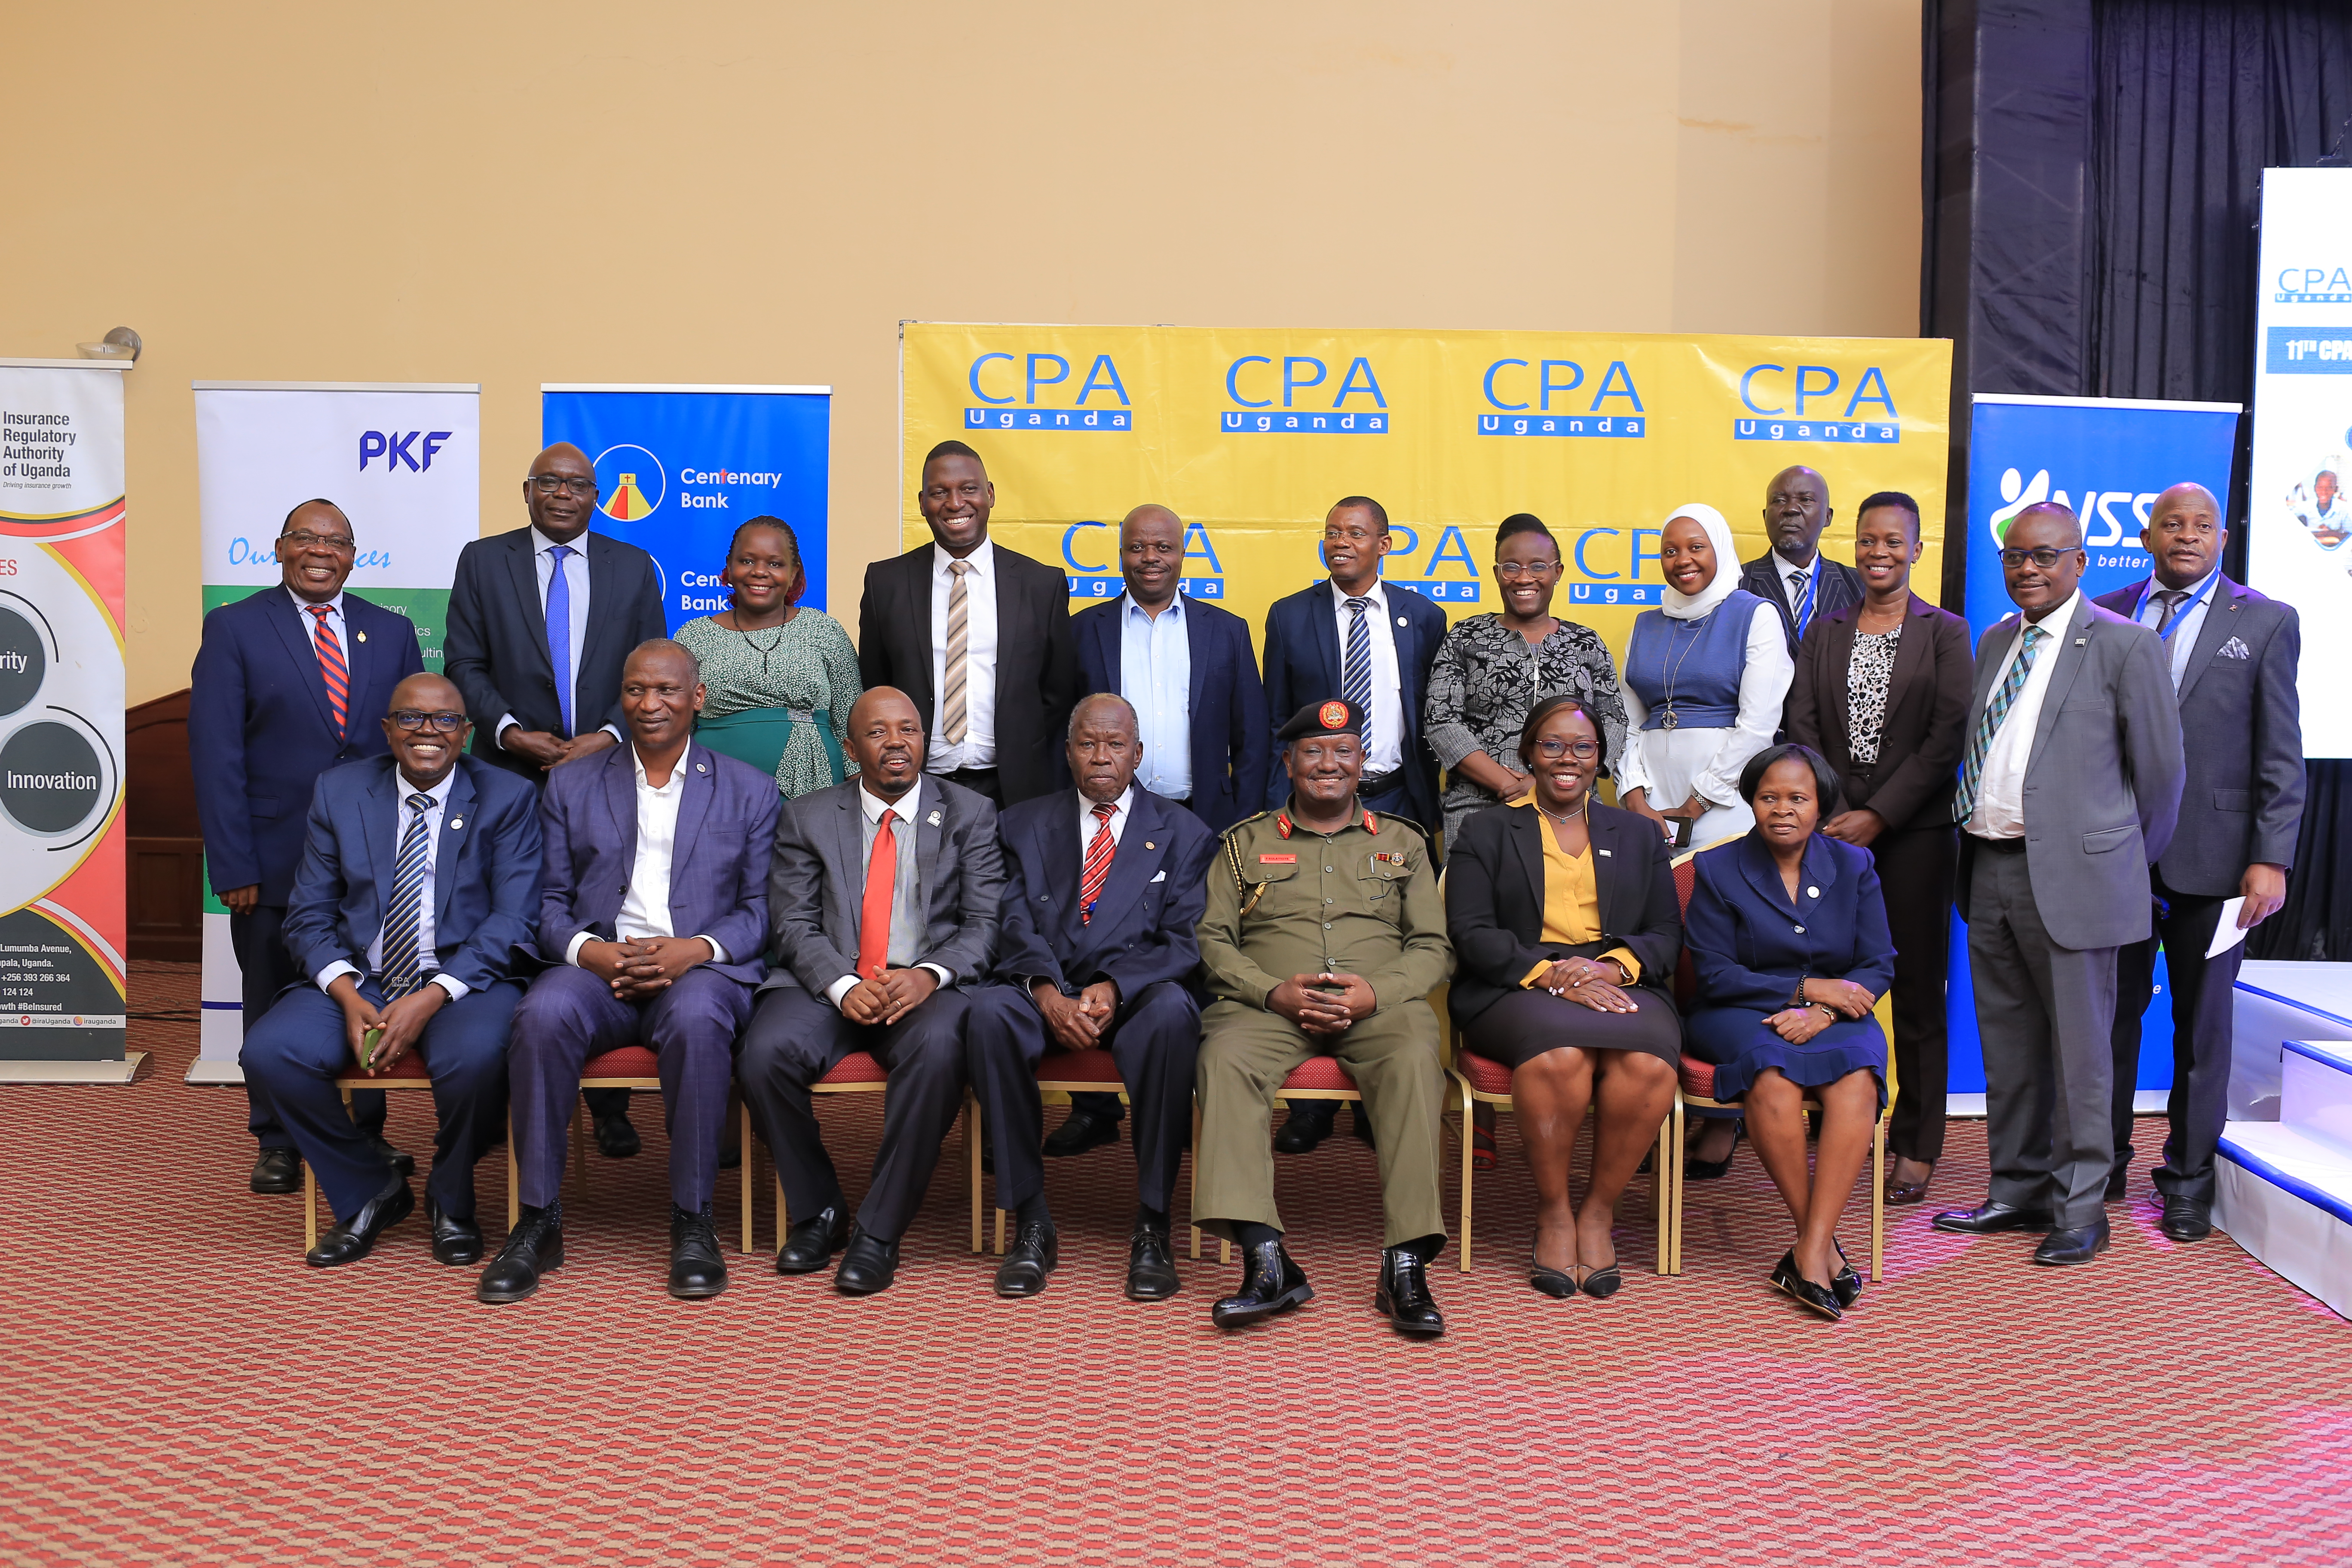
(779, 679)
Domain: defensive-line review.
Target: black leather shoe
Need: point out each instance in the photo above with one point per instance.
(1696, 1170)
(2076, 1244)
(1035, 1252)
(616, 1136)
(810, 1245)
(2186, 1219)
(1403, 1295)
(455, 1241)
(1080, 1131)
(730, 1155)
(1788, 1279)
(2118, 1183)
(1271, 1283)
(534, 1247)
(1151, 1265)
(1990, 1217)
(697, 1272)
(868, 1264)
(400, 1160)
(1845, 1284)
(1308, 1123)
(355, 1238)
(277, 1172)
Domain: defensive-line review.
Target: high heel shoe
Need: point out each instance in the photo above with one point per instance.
(1845, 1284)
(1788, 1279)
(1714, 1170)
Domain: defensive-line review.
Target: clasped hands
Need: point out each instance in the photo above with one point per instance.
(1843, 998)
(548, 749)
(1325, 1004)
(640, 967)
(1076, 1023)
(1591, 982)
(888, 997)
(401, 1021)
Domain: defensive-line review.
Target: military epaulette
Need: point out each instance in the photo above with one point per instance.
(1244, 822)
(1417, 831)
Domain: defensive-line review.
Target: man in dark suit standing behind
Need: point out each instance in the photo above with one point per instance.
(978, 638)
(288, 682)
(2231, 654)
(540, 620)
(1794, 576)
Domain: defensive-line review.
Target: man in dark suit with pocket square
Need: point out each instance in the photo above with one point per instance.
(2231, 654)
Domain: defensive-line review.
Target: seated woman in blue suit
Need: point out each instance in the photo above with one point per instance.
(1788, 936)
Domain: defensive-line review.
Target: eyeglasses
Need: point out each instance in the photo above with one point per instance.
(1552, 751)
(1513, 571)
(548, 484)
(2044, 558)
(304, 539)
(409, 719)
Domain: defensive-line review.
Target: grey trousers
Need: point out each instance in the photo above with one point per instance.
(2046, 1014)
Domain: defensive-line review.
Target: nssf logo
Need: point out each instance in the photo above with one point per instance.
(415, 448)
(1101, 401)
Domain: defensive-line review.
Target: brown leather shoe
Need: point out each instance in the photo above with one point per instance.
(1899, 1193)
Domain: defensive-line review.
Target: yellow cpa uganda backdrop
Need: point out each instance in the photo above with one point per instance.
(1251, 435)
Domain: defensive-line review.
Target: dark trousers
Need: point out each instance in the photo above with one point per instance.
(569, 1015)
(1916, 870)
(981, 781)
(1154, 1038)
(2202, 991)
(796, 1038)
(267, 968)
(302, 1046)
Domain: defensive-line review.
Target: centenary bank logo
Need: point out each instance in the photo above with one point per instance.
(1302, 411)
(1615, 409)
(1101, 404)
(2312, 286)
(633, 482)
(2102, 527)
(1815, 383)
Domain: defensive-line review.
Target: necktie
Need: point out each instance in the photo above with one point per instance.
(1801, 584)
(1980, 743)
(953, 721)
(874, 914)
(404, 915)
(2170, 599)
(337, 673)
(1355, 674)
(559, 630)
(1099, 850)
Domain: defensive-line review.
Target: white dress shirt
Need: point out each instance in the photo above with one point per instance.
(978, 748)
(425, 952)
(1384, 747)
(575, 577)
(1155, 675)
(908, 886)
(644, 908)
(1794, 578)
(2186, 624)
(1118, 811)
(334, 614)
(2000, 792)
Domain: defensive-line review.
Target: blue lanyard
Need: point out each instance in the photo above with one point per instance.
(2182, 613)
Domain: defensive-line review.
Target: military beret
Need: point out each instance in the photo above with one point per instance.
(1332, 718)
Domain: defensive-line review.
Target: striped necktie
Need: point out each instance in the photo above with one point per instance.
(954, 721)
(1964, 805)
(1099, 853)
(1805, 595)
(338, 674)
(1356, 673)
(404, 918)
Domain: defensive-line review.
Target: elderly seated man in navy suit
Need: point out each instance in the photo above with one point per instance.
(419, 880)
(1104, 885)
(653, 915)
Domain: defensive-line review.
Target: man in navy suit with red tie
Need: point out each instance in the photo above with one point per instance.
(288, 682)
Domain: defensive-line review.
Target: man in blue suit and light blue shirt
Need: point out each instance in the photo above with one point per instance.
(419, 881)
(288, 682)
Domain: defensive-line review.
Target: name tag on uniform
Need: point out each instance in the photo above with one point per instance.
(1277, 860)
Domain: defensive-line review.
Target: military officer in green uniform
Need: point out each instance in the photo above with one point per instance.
(1325, 933)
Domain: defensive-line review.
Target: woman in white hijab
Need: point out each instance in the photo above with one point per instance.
(1704, 679)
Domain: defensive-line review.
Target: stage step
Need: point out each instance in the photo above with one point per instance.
(2284, 1195)
(2315, 1090)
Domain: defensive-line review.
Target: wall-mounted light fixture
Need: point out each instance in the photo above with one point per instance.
(121, 343)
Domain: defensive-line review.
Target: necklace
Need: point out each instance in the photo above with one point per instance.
(773, 643)
(1565, 817)
(1672, 718)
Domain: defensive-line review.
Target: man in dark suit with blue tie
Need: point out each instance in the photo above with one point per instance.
(2232, 655)
(1794, 577)
(1355, 638)
(1104, 885)
(654, 921)
(287, 683)
(1187, 669)
(416, 903)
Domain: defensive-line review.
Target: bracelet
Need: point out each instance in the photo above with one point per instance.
(1827, 1011)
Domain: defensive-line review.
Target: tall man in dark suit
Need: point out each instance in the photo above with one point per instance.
(418, 893)
(2070, 783)
(886, 896)
(288, 682)
(2231, 654)
(540, 620)
(653, 915)
(1356, 639)
(1187, 669)
(1794, 576)
(978, 638)
(1104, 885)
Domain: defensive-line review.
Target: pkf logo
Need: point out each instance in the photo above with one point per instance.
(632, 482)
(413, 449)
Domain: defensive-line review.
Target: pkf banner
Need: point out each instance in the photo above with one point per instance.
(679, 469)
(61, 693)
(1250, 436)
(404, 462)
(2107, 460)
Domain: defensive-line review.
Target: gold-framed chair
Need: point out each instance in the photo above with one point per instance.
(1094, 1072)
(408, 1072)
(1317, 1078)
(860, 1073)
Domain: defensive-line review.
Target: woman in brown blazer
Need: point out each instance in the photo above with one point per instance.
(1881, 690)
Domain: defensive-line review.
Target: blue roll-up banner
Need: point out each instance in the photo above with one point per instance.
(679, 469)
(2109, 459)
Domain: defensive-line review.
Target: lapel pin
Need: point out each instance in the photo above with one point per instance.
(934, 819)
(1149, 845)
(1812, 892)
(2082, 642)
(362, 636)
(1606, 852)
(702, 767)
(1402, 621)
(456, 823)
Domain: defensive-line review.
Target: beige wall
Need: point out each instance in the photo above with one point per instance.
(758, 191)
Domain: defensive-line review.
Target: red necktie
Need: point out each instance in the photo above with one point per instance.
(332, 666)
(1098, 853)
(874, 916)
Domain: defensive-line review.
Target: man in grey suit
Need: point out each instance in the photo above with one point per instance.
(884, 896)
(2231, 655)
(2069, 786)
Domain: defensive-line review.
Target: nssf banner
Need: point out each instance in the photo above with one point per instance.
(1250, 436)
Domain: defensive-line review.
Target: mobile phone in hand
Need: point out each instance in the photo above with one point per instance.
(369, 1040)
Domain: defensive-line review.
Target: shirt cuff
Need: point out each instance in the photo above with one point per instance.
(1542, 968)
(1632, 964)
(335, 972)
(945, 978)
(840, 988)
(718, 953)
(499, 730)
(614, 731)
(572, 950)
(456, 987)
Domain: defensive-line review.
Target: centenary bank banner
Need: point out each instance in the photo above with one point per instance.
(61, 692)
(1250, 436)
(679, 469)
(404, 462)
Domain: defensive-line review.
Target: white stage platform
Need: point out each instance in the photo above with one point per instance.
(2284, 1177)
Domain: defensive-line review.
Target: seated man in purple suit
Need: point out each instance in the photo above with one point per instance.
(655, 915)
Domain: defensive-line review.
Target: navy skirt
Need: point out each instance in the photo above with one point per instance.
(1741, 1045)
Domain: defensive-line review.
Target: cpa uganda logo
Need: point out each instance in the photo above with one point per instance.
(633, 483)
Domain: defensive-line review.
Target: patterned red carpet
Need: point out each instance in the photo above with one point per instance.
(181, 1389)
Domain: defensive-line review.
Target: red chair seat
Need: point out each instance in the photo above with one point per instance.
(1698, 1077)
(629, 1061)
(857, 1067)
(1078, 1067)
(410, 1068)
(1485, 1077)
(1319, 1072)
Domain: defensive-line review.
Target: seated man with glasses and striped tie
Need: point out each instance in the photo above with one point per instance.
(415, 903)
